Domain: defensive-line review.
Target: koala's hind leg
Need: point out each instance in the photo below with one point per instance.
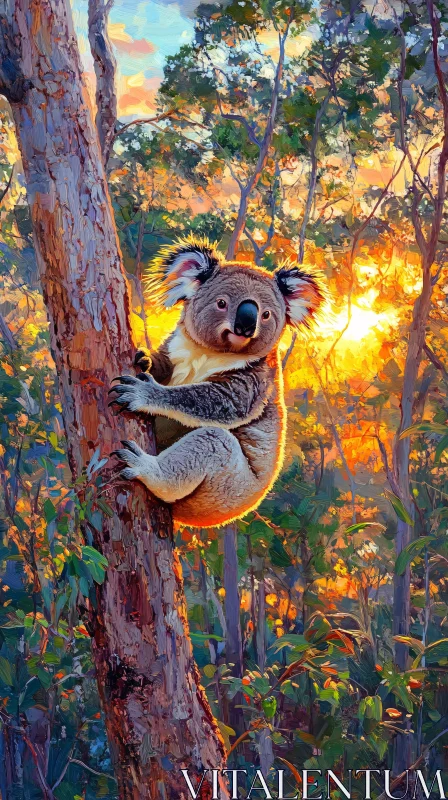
(209, 458)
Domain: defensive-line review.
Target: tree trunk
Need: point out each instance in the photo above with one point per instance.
(402, 583)
(11, 755)
(240, 220)
(401, 459)
(264, 745)
(105, 68)
(234, 646)
(157, 716)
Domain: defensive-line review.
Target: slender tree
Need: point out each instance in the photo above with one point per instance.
(105, 69)
(427, 234)
(157, 716)
(234, 647)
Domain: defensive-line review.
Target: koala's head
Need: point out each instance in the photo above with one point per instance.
(232, 307)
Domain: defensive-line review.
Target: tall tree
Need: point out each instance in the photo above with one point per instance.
(229, 88)
(157, 716)
(105, 69)
(234, 646)
(427, 208)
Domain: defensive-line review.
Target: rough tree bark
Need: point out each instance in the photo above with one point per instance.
(105, 69)
(157, 716)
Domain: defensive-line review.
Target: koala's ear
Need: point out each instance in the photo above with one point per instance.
(302, 292)
(180, 269)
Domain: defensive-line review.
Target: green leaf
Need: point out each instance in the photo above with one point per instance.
(97, 572)
(226, 732)
(51, 658)
(441, 447)
(95, 563)
(90, 554)
(437, 650)
(5, 671)
(49, 511)
(209, 670)
(433, 653)
(398, 507)
(278, 554)
(416, 644)
(307, 737)
(59, 605)
(295, 640)
(204, 637)
(44, 677)
(360, 526)
(410, 551)
(424, 427)
(370, 708)
(105, 507)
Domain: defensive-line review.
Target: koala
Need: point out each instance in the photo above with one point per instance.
(215, 385)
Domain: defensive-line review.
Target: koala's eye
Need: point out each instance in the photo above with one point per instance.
(265, 315)
(221, 303)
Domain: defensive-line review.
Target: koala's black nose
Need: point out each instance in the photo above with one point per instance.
(246, 318)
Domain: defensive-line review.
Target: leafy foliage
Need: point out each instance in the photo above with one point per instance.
(317, 562)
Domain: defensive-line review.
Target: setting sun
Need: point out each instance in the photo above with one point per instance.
(363, 322)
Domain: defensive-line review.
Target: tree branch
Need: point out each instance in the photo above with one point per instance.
(143, 121)
(287, 355)
(264, 146)
(387, 469)
(434, 359)
(313, 156)
(13, 84)
(443, 158)
(7, 334)
(337, 438)
(93, 771)
(239, 118)
(397, 781)
(8, 186)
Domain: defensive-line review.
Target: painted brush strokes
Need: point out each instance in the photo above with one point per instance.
(312, 634)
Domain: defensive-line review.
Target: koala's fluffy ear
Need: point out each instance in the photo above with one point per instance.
(180, 269)
(302, 292)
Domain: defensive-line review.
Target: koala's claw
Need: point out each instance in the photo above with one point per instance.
(132, 446)
(130, 394)
(128, 379)
(132, 455)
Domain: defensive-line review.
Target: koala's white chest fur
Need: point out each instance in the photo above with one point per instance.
(193, 364)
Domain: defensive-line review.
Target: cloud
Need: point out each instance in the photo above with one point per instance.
(187, 7)
(136, 95)
(124, 43)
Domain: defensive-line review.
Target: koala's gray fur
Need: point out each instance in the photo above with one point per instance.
(217, 395)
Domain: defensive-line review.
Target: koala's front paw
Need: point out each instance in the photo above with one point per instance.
(143, 360)
(138, 462)
(134, 394)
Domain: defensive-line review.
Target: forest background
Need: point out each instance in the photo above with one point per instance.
(314, 131)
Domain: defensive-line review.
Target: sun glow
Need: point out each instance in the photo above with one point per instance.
(360, 322)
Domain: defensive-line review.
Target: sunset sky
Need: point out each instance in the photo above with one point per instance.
(143, 34)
